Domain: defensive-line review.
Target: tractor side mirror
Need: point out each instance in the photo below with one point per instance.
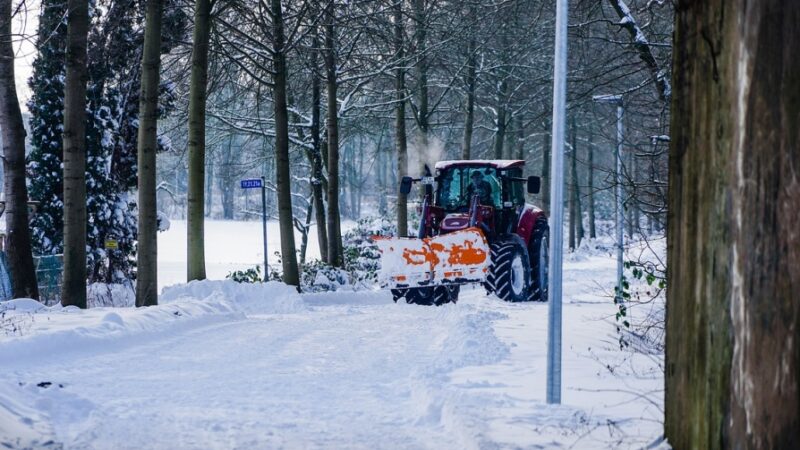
(405, 185)
(534, 184)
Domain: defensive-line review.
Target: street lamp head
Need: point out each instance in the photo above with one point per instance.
(608, 98)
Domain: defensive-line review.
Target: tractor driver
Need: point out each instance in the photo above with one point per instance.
(480, 187)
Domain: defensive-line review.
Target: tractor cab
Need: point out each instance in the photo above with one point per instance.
(488, 195)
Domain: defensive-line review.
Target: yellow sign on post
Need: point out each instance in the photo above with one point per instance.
(111, 244)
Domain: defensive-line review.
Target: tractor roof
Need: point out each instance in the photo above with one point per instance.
(500, 164)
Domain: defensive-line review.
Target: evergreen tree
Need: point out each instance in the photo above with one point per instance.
(115, 39)
(111, 214)
(46, 107)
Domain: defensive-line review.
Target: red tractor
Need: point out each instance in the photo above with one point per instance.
(475, 227)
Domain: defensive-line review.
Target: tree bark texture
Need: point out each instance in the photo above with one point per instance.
(291, 273)
(18, 234)
(470, 81)
(335, 256)
(73, 287)
(198, 86)
(401, 139)
(316, 158)
(500, 132)
(733, 315)
(147, 249)
(546, 172)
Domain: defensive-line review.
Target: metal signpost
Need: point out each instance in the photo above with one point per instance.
(557, 207)
(255, 183)
(617, 100)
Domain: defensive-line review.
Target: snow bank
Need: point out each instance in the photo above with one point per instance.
(27, 305)
(36, 331)
(251, 298)
(57, 332)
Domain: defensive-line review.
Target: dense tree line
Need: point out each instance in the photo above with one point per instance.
(377, 89)
(334, 102)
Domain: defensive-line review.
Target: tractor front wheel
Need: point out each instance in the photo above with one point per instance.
(446, 294)
(435, 295)
(510, 273)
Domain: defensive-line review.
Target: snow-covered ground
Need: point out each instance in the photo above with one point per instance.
(221, 365)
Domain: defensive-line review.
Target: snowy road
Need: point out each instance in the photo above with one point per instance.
(351, 370)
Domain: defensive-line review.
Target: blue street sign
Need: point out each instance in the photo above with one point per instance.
(252, 183)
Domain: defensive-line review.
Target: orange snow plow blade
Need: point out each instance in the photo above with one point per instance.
(458, 257)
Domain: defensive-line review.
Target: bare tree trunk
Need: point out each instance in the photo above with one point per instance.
(209, 187)
(571, 201)
(520, 141)
(575, 213)
(283, 178)
(633, 207)
(226, 180)
(500, 134)
(546, 172)
(421, 43)
(733, 319)
(73, 288)
(359, 183)
(23, 275)
(470, 82)
(304, 234)
(147, 249)
(334, 218)
(198, 86)
(590, 185)
(401, 142)
(316, 157)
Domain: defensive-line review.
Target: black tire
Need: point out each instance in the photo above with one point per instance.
(420, 295)
(397, 294)
(510, 272)
(446, 294)
(438, 295)
(539, 251)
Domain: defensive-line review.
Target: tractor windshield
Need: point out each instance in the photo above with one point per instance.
(458, 184)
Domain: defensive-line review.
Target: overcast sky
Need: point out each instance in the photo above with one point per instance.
(25, 23)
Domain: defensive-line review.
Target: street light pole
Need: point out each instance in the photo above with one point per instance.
(557, 207)
(617, 100)
(619, 224)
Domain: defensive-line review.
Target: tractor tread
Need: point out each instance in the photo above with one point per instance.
(539, 287)
(499, 279)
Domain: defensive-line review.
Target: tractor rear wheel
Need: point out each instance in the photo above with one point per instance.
(539, 252)
(510, 273)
